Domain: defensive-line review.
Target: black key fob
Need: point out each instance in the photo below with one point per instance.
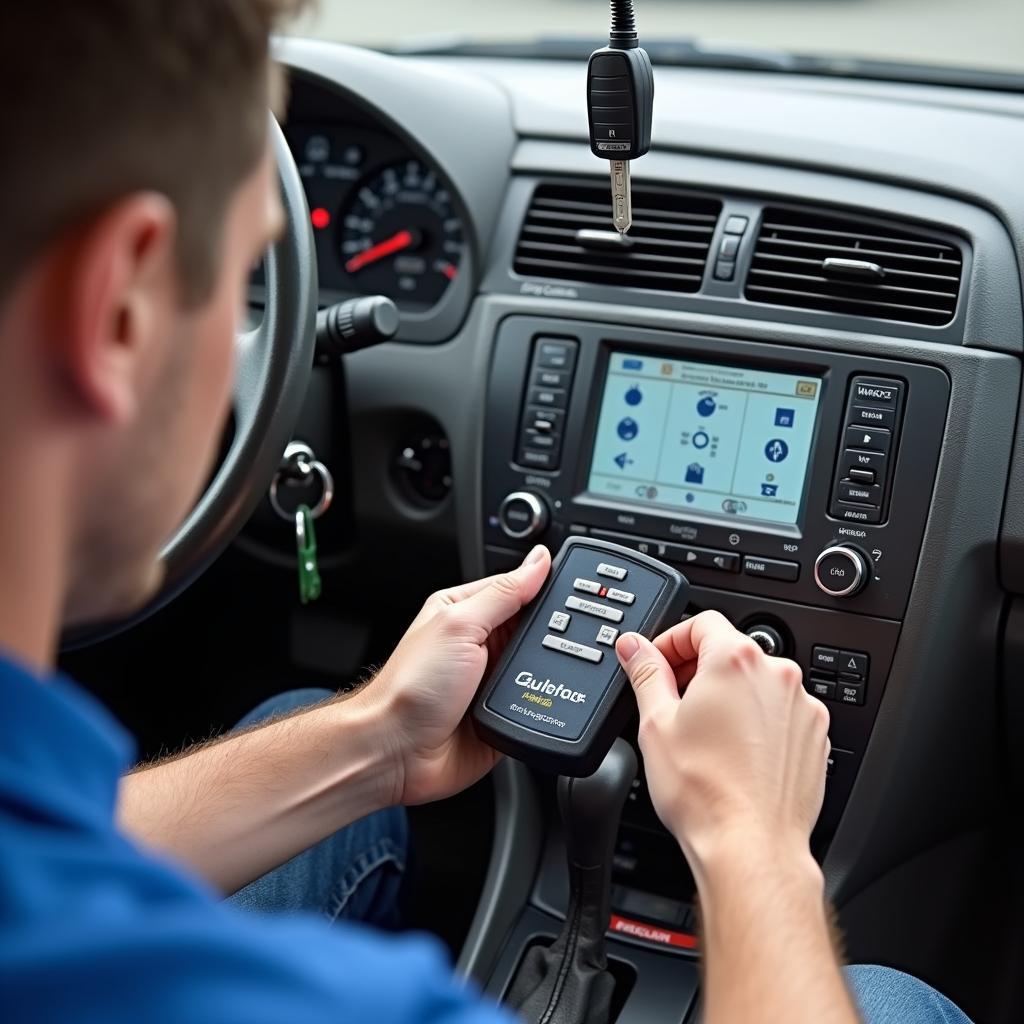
(558, 697)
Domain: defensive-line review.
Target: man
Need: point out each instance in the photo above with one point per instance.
(137, 190)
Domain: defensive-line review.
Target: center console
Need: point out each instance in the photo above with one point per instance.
(791, 486)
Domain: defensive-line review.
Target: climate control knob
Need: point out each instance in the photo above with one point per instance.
(841, 571)
(523, 515)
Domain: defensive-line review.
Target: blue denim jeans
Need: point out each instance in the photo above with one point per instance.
(355, 874)
(885, 996)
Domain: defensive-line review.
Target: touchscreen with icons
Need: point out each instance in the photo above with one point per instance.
(710, 439)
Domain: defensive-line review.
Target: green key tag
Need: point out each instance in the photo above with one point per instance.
(305, 542)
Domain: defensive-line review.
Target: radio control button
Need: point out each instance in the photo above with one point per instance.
(534, 419)
(587, 586)
(552, 378)
(599, 611)
(620, 596)
(547, 442)
(613, 572)
(841, 571)
(826, 659)
(556, 355)
(856, 513)
(868, 416)
(875, 392)
(869, 439)
(536, 459)
(703, 558)
(870, 461)
(770, 568)
(566, 646)
(559, 621)
(523, 514)
(860, 494)
(861, 476)
(554, 398)
(607, 635)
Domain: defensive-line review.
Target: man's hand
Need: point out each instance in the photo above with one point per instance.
(736, 769)
(424, 690)
(740, 758)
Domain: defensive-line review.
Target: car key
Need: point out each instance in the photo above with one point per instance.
(558, 697)
(620, 107)
(305, 543)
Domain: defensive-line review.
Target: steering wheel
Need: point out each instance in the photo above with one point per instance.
(273, 363)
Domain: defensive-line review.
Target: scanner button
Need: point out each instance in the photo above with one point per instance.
(607, 635)
(587, 586)
(613, 572)
(620, 596)
(559, 621)
(599, 611)
(560, 643)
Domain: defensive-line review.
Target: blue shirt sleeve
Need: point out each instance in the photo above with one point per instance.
(225, 965)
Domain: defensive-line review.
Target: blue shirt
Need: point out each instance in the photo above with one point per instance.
(92, 929)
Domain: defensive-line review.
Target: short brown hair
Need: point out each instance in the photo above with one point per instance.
(101, 98)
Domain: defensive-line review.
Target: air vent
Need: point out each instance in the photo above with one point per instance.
(840, 265)
(667, 245)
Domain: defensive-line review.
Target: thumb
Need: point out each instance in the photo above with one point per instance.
(506, 594)
(654, 682)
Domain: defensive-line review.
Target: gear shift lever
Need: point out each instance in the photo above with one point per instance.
(568, 982)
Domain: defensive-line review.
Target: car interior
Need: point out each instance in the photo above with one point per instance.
(796, 379)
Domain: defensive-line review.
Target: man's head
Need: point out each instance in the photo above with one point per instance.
(136, 191)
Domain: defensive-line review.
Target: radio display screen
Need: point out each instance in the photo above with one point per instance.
(710, 439)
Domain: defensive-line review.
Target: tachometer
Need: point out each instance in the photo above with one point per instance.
(401, 236)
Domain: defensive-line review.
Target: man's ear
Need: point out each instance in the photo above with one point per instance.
(120, 284)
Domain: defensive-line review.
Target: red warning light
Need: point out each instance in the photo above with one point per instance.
(320, 217)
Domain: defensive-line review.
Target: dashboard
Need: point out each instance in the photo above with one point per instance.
(800, 384)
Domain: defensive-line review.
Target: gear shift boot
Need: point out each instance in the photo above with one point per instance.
(569, 982)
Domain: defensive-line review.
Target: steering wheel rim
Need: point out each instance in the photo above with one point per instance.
(273, 365)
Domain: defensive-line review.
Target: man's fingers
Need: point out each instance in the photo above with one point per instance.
(683, 642)
(505, 595)
(654, 682)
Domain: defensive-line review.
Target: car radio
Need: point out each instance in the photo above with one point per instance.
(791, 486)
(771, 470)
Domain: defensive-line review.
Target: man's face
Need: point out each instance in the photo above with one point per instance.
(147, 477)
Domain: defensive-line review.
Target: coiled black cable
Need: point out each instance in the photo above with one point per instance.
(623, 33)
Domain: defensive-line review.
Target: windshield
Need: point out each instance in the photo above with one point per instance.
(985, 35)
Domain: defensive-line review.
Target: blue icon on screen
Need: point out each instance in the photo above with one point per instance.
(623, 460)
(695, 473)
(769, 490)
(784, 417)
(701, 439)
(690, 499)
(632, 364)
(706, 406)
(634, 396)
(627, 429)
(776, 450)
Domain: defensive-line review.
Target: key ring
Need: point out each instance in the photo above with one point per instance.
(299, 458)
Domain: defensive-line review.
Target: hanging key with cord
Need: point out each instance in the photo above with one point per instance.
(620, 106)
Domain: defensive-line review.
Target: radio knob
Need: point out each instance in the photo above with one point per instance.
(768, 638)
(841, 571)
(523, 515)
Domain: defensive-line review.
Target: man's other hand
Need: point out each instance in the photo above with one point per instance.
(426, 686)
(738, 761)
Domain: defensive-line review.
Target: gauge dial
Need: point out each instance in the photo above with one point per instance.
(401, 236)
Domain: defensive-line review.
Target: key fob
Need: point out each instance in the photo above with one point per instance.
(558, 697)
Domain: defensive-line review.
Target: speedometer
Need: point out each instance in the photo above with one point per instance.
(401, 236)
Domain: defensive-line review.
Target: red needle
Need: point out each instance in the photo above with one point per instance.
(396, 243)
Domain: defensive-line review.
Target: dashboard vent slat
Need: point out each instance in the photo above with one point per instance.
(668, 242)
(919, 284)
